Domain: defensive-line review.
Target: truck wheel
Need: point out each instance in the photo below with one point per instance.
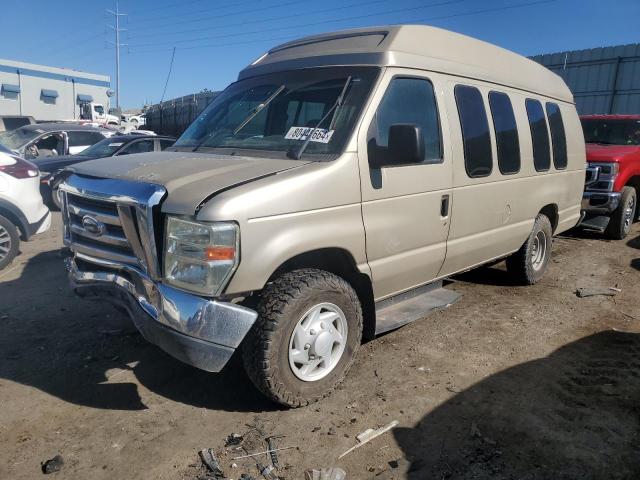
(308, 330)
(623, 216)
(9, 242)
(528, 264)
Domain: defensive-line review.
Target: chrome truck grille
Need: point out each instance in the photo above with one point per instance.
(110, 221)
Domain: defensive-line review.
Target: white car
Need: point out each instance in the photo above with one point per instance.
(22, 212)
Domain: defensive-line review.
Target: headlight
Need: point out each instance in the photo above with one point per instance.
(200, 257)
(606, 168)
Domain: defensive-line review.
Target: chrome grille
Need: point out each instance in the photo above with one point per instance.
(111, 221)
(110, 245)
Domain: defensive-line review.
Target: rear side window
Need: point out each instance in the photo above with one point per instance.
(558, 138)
(83, 139)
(410, 100)
(539, 135)
(504, 124)
(475, 131)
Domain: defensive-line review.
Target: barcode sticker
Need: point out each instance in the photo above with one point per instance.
(301, 133)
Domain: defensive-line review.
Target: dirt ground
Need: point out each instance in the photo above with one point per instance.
(510, 383)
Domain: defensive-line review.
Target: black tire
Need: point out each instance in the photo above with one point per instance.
(9, 242)
(55, 201)
(623, 216)
(284, 303)
(528, 264)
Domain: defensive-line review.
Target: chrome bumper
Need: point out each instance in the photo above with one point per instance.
(200, 332)
(600, 203)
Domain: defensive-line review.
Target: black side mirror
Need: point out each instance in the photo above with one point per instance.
(406, 144)
(406, 147)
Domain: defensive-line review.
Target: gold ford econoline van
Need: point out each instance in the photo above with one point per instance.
(319, 199)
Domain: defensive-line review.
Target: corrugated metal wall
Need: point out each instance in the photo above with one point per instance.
(603, 80)
(174, 116)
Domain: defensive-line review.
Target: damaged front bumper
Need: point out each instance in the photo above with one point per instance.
(197, 331)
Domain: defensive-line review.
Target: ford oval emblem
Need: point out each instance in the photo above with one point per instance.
(93, 226)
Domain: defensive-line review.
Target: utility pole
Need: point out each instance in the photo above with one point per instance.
(117, 46)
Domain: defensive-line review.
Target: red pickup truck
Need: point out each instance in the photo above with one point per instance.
(612, 184)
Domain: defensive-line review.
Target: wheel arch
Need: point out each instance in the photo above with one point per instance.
(16, 217)
(551, 212)
(340, 262)
(634, 182)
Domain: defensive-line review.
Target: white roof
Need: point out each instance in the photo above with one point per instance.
(414, 46)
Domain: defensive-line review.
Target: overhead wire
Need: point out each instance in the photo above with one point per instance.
(293, 36)
(310, 24)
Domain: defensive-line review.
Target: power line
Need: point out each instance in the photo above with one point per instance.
(224, 15)
(164, 7)
(259, 20)
(147, 19)
(293, 36)
(168, 75)
(311, 24)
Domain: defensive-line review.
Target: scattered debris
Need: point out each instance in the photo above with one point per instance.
(368, 435)
(208, 457)
(268, 472)
(53, 465)
(233, 440)
(584, 292)
(262, 453)
(271, 445)
(333, 473)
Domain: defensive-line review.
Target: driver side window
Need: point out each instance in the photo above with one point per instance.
(408, 100)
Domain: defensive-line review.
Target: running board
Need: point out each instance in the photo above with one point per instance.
(408, 307)
(598, 223)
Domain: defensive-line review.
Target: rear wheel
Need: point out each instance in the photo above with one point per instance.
(623, 216)
(9, 242)
(308, 330)
(528, 264)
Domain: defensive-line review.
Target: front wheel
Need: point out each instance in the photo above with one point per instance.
(304, 341)
(623, 216)
(529, 263)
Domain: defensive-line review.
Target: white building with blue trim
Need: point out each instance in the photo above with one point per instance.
(49, 93)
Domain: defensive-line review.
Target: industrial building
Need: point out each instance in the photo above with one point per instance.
(603, 80)
(49, 93)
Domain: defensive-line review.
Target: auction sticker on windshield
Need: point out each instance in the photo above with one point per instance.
(301, 133)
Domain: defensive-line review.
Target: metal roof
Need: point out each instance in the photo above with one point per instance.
(603, 80)
(413, 46)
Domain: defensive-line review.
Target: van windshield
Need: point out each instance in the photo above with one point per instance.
(611, 131)
(276, 112)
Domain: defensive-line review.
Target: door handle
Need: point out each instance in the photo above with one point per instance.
(444, 206)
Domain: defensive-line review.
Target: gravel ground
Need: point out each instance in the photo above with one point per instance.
(510, 383)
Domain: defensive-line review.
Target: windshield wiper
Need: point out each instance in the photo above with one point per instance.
(250, 117)
(297, 155)
(257, 110)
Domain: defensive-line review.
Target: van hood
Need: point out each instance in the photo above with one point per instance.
(189, 178)
(597, 152)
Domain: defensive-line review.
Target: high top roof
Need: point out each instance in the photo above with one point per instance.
(413, 46)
